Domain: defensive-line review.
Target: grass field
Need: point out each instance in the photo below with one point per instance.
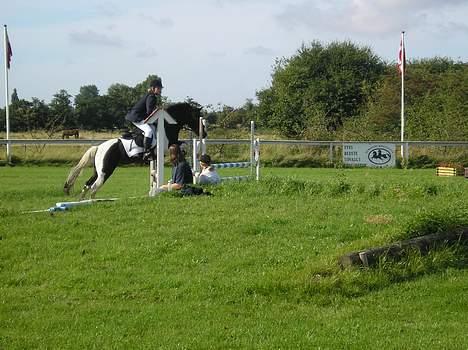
(252, 267)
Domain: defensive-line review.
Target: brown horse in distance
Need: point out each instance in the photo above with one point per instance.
(70, 132)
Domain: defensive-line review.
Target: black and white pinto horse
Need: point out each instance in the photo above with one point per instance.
(106, 156)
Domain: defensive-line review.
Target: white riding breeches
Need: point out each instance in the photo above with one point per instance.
(147, 129)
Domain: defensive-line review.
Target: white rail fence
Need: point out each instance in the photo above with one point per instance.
(332, 146)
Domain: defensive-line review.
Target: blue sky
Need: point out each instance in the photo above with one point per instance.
(215, 51)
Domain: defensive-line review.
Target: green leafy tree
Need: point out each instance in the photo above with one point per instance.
(14, 96)
(211, 115)
(18, 109)
(229, 117)
(38, 114)
(435, 102)
(249, 113)
(20, 114)
(88, 108)
(27, 115)
(61, 113)
(2, 119)
(226, 116)
(118, 101)
(441, 114)
(319, 87)
(110, 117)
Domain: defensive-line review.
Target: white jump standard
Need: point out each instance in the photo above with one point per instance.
(157, 170)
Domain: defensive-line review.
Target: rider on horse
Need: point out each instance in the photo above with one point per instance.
(142, 109)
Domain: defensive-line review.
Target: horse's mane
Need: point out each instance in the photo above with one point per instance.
(186, 114)
(180, 110)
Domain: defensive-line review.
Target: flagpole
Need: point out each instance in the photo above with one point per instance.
(403, 63)
(7, 111)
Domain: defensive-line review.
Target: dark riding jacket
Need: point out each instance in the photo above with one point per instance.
(143, 108)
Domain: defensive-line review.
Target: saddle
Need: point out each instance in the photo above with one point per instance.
(135, 135)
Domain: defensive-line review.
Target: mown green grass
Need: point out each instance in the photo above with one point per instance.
(252, 267)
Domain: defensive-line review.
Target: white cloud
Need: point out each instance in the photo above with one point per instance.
(368, 17)
(212, 50)
(147, 53)
(157, 22)
(259, 50)
(90, 37)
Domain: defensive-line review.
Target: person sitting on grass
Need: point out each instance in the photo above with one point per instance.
(181, 171)
(208, 174)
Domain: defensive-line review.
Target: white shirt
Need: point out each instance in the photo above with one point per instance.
(209, 175)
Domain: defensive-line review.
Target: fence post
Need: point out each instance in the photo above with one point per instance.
(252, 149)
(257, 158)
(195, 164)
(407, 152)
(202, 144)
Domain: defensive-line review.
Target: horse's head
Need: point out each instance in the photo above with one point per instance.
(186, 115)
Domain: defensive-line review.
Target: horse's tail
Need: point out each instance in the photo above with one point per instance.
(87, 159)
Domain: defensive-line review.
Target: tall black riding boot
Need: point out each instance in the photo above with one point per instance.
(147, 148)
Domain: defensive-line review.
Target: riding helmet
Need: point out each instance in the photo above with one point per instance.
(156, 83)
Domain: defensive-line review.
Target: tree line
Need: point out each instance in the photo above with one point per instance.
(343, 91)
(88, 110)
(336, 91)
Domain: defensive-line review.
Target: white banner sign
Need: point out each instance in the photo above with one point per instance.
(369, 154)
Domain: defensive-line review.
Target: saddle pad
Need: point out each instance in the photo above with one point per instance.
(131, 148)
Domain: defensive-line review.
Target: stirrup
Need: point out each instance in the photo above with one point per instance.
(148, 156)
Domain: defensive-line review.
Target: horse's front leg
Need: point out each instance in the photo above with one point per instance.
(97, 185)
(84, 191)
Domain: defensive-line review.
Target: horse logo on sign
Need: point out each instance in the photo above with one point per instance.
(379, 155)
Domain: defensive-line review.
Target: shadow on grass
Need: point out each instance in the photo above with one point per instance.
(359, 281)
(330, 286)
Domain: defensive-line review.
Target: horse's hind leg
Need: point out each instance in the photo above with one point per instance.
(105, 164)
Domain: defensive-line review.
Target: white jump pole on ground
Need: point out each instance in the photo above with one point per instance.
(157, 172)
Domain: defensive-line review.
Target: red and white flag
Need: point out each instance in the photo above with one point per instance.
(402, 54)
(9, 51)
